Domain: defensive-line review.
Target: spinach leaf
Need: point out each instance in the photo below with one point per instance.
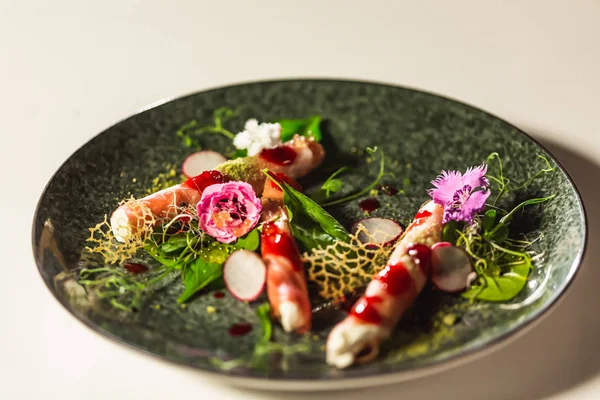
(174, 243)
(248, 242)
(197, 275)
(311, 225)
(304, 127)
(168, 260)
(503, 287)
(217, 284)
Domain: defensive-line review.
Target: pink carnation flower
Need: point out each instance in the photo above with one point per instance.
(229, 210)
(463, 196)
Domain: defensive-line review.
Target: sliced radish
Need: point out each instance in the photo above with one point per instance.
(196, 163)
(440, 244)
(378, 231)
(244, 274)
(450, 267)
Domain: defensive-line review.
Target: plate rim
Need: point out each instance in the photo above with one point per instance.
(332, 382)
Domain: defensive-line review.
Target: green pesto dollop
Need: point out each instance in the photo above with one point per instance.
(244, 169)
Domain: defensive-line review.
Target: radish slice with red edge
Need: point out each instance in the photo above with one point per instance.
(450, 267)
(245, 274)
(440, 244)
(377, 231)
(196, 163)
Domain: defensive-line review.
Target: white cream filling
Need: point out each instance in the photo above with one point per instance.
(349, 339)
(290, 316)
(120, 225)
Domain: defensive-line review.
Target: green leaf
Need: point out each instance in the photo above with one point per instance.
(174, 243)
(164, 259)
(449, 233)
(240, 153)
(264, 314)
(499, 235)
(504, 287)
(488, 220)
(332, 186)
(311, 225)
(217, 284)
(304, 127)
(248, 242)
(197, 275)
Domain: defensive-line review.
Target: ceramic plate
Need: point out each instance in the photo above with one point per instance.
(421, 134)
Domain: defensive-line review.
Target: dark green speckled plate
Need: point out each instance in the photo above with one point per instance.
(428, 132)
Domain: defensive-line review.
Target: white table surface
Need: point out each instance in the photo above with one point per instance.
(69, 69)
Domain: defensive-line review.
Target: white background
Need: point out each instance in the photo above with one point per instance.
(69, 69)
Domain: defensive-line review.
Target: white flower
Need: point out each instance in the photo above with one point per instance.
(257, 137)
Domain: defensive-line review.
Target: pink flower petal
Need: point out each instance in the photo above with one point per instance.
(456, 192)
(474, 204)
(446, 184)
(229, 197)
(473, 175)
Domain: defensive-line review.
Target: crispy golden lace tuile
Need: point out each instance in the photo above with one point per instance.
(340, 268)
(103, 242)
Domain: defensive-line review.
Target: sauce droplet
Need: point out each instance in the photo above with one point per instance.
(282, 155)
(369, 205)
(135, 268)
(395, 278)
(423, 214)
(240, 329)
(218, 295)
(365, 309)
(276, 242)
(420, 218)
(421, 255)
(204, 180)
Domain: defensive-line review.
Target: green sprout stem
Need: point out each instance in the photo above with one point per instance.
(549, 168)
(365, 190)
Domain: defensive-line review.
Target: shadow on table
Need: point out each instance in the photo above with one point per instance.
(563, 350)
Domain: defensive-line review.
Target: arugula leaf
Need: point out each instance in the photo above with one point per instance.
(197, 275)
(304, 127)
(311, 225)
(248, 242)
(503, 287)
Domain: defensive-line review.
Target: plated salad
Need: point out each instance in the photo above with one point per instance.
(242, 221)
